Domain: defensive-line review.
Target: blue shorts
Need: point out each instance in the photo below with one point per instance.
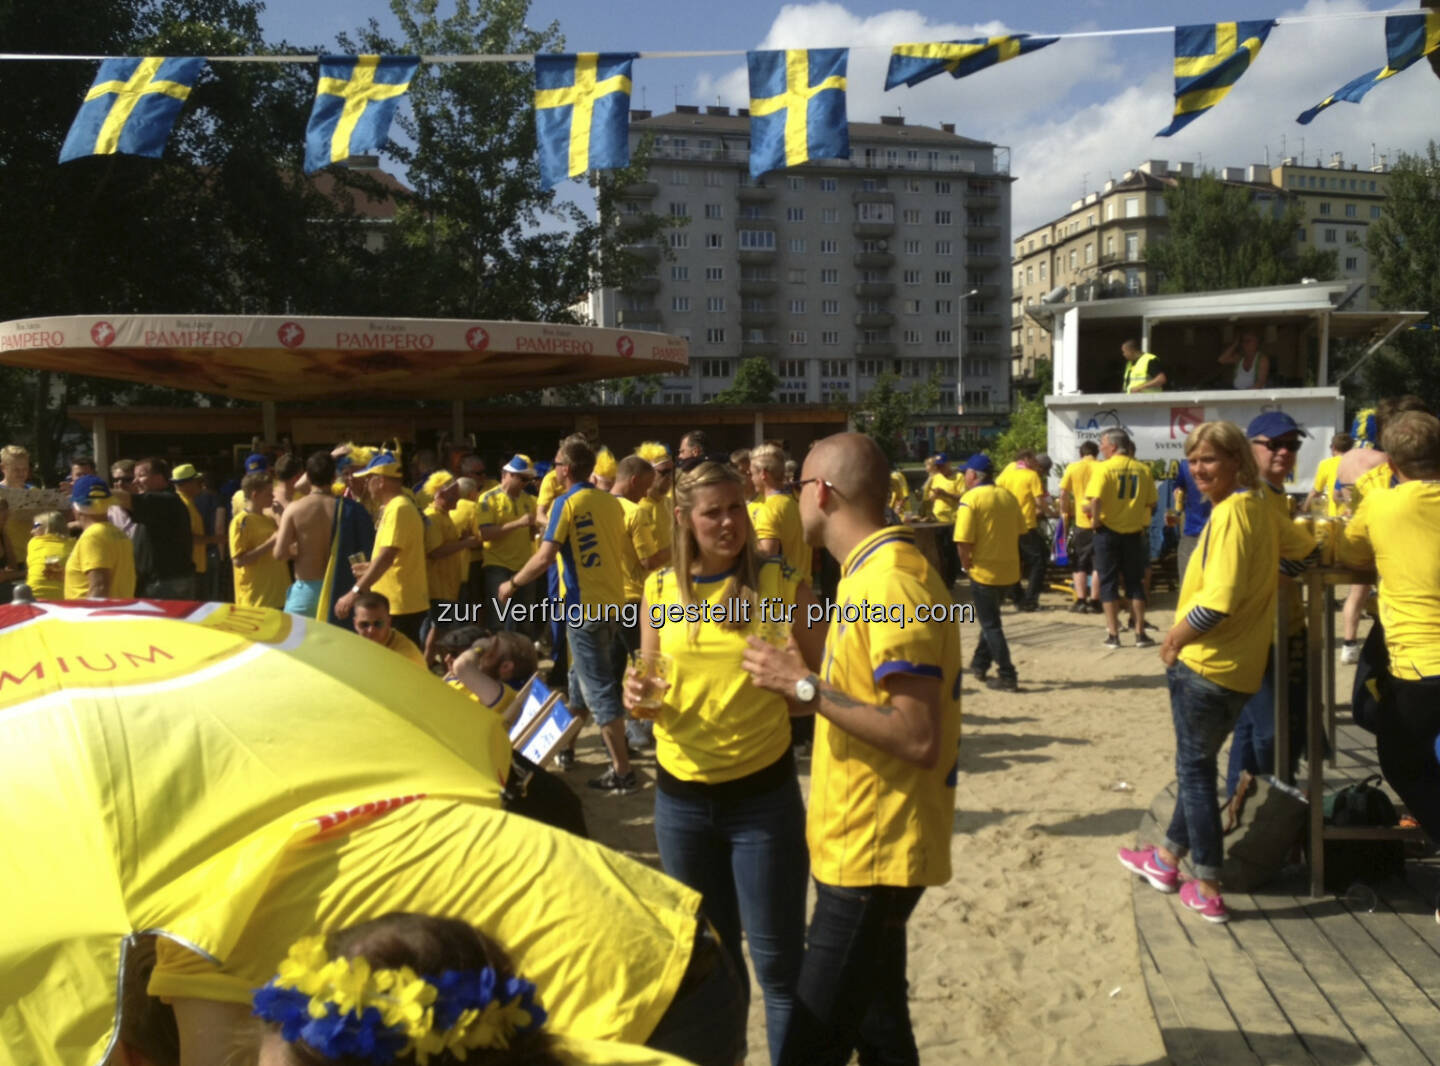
(304, 597)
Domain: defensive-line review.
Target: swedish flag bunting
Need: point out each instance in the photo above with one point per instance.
(582, 113)
(910, 64)
(354, 104)
(132, 107)
(1408, 39)
(797, 108)
(1209, 60)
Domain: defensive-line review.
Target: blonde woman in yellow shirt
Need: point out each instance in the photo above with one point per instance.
(49, 550)
(729, 820)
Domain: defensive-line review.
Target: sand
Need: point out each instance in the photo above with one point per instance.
(1029, 955)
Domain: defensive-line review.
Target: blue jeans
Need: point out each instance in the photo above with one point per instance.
(1253, 745)
(1204, 713)
(991, 647)
(746, 856)
(852, 985)
(593, 685)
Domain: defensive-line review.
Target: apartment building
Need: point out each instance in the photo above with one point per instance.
(1096, 250)
(839, 271)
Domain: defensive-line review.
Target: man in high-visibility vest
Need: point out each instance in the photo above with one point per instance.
(1142, 370)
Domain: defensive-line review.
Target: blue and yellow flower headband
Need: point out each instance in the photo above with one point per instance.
(343, 1007)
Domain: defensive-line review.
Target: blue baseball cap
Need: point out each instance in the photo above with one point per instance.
(1273, 424)
(90, 490)
(256, 463)
(520, 464)
(980, 463)
(386, 464)
(941, 458)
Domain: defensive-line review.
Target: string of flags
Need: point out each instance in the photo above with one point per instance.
(582, 100)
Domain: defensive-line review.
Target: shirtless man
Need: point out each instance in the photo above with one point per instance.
(305, 527)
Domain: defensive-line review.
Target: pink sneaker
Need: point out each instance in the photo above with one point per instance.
(1146, 864)
(1211, 908)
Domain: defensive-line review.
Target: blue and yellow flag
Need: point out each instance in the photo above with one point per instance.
(131, 107)
(797, 107)
(1209, 60)
(1408, 38)
(582, 113)
(910, 64)
(354, 103)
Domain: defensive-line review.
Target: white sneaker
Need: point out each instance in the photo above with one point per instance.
(1350, 652)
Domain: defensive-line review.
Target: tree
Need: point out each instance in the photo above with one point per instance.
(886, 411)
(755, 382)
(1027, 429)
(1219, 238)
(1404, 246)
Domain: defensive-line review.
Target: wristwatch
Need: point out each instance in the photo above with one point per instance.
(807, 688)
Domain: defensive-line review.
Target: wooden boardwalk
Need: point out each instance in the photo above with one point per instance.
(1293, 980)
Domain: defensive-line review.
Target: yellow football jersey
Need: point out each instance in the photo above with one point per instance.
(1325, 482)
(1076, 482)
(641, 536)
(1126, 491)
(875, 819)
(551, 487)
(899, 492)
(101, 547)
(1399, 528)
(943, 510)
(1233, 571)
(41, 547)
(463, 515)
(1376, 479)
(404, 583)
(444, 576)
(714, 724)
(589, 527)
(662, 518)
(778, 518)
(197, 529)
(989, 519)
(1027, 488)
(266, 581)
(497, 507)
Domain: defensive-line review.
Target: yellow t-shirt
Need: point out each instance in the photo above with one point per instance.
(197, 529)
(662, 518)
(47, 546)
(605, 939)
(641, 534)
(1325, 482)
(1399, 529)
(266, 581)
(989, 520)
(589, 527)
(1376, 479)
(101, 547)
(899, 492)
(1076, 482)
(875, 819)
(1126, 491)
(406, 648)
(500, 750)
(714, 724)
(551, 487)
(511, 550)
(463, 516)
(1233, 572)
(778, 518)
(1027, 488)
(943, 510)
(444, 576)
(404, 583)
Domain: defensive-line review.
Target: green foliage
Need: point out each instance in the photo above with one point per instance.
(755, 382)
(885, 412)
(1404, 246)
(1220, 239)
(1026, 430)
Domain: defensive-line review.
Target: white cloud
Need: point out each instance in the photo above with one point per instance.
(1087, 109)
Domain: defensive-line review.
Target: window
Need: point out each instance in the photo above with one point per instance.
(1350, 210)
(794, 214)
(798, 336)
(1089, 252)
(944, 336)
(944, 307)
(942, 277)
(1374, 292)
(679, 303)
(1300, 235)
(1030, 275)
(829, 307)
(1109, 211)
(869, 184)
(912, 277)
(1352, 262)
(1325, 207)
(1132, 207)
(675, 399)
(791, 368)
(715, 179)
(679, 210)
(797, 244)
(911, 307)
(873, 212)
(679, 240)
(944, 248)
(942, 188)
(830, 337)
(1132, 246)
(797, 307)
(795, 275)
(913, 336)
(942, 218)
(1352, 236)
(1074, 259)
(715, 304)
(867, 368)
(912, 247)
(829, 184)
(1329, 236)
(714, 273)
(714, 210)
(1374, 211)
(829, 276)
(679, 273)
(715, 368)
(714, 240)
(834, 368)
(910, 216)
(715, 335)
(679, 177)
(795, 184)
(826, 247)
(756, 239)
(830, 214)
(1132, 282)
(1042, 273)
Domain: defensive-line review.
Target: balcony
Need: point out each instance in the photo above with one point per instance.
(872, 196)
(755, 194)
(976, 259)
(871, 290)
(873, 229)
(875, 319)
(875, 349)
(765, 222)
(983, 230)
(759, 286)
(648, 251)
(650, 283)
(989, 290)
(640, 190)
(981, 348)
(874, 260)
(983, 318)
(758, 316)
(764, 349)
(756, 256)
(635, 221)
(982, 197)
(647, 318)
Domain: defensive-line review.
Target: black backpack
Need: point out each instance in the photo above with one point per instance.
(1348, 861)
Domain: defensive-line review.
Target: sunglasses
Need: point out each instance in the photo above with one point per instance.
(801, 484)
(1285, 444)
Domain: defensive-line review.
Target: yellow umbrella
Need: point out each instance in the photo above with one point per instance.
(155, 761)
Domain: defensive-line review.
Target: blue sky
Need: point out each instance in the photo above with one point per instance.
(1073, 115)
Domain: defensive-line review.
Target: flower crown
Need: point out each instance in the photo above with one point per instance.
(343, 1007)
